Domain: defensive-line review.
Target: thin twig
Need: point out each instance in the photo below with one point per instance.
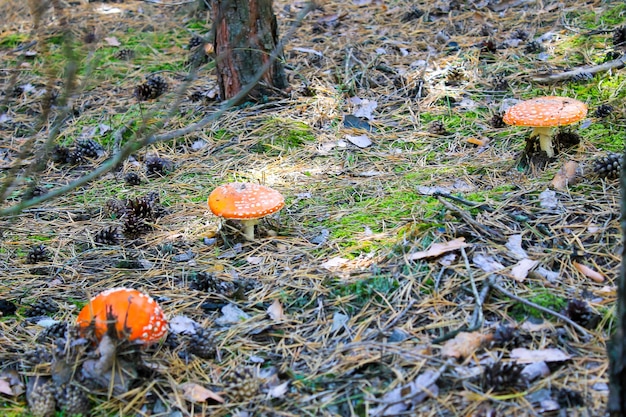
(492, 283)
(469, 219)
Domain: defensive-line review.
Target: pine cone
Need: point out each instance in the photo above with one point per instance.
(437, 128)
(37, 356)
(37, 254)
(132, 179)
(619, 36)
(153, 87)
(42, 308)
(503, 377)
(72, 400)
(580, 313)
(497, 122)
(90, 148)
(115, 208)
(60, 154)
(608, 166)
(201, 344)
(158, 166)
(499, 83)
(107, 236)
(125, 54)
(455, 76)
(533, 47)
(7, 308)
(507, 337)
(569, 398)
(207, 282)
(134, 226)
(56, 331)
(242, 384)
(76, 157)
(140, 207)
(603, 110)
(40, 397)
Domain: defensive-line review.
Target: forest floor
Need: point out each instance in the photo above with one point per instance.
(416, 228)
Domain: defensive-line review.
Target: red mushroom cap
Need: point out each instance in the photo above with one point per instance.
(138, 317)
(546, 112)
(243, 201)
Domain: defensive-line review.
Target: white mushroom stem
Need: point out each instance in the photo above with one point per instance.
(545, 139)
(248, 228)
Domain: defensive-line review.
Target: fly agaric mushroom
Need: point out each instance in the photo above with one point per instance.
(543, 114)
(138, 318)
(246, 202)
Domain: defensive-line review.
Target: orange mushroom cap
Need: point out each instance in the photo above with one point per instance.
(545, 112)
(244, 201)
(138, 317)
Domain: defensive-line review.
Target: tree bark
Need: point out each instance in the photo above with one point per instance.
(246, 33)
(616, 348)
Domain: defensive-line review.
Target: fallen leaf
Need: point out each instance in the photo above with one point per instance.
(524, 355)
(548, 200)
(183, 324)
(5, 387)
(407, 396)
(254, 260)
(334, 263)
(487, 263)
(275, 311)
(278, 391)
(363, 107)
(437, 249)
(464, 344)
(520, 271)
(569, 174)
(198, 394)
(339, 320)
(362, 141)
(231, 314)
(589, 272)
(514, 245)
(112, 41)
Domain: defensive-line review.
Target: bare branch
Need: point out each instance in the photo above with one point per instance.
(582, 71)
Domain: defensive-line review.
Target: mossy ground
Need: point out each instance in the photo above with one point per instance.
(367, 208)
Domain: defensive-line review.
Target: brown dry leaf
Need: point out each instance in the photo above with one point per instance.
(589, 272)
(520, 271)
(524, 355)
(112, 41)
(275, 311)
(437, 249)
(464, 344)
(569, 174)
(5, 387)
(198, 394)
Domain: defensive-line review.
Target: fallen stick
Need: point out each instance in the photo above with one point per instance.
(582, 71)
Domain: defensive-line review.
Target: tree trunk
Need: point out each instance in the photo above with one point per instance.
(616, 348)
(246, 34)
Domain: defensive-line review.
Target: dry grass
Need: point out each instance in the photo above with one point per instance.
(362, 205)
